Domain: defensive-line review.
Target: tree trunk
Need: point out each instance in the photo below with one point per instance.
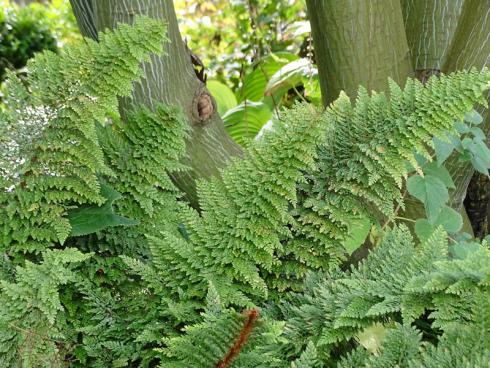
(358, 43)
(169, 79)
(471, 48)
(430, 27)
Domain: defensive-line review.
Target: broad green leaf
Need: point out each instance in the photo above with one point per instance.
(224, 96)
(480, 154)
(423, 229)
(358, 232)
(443, 150)
(461, 127)
(478, 133)
(462, 249)
(431, 191)
(439, 172)
(255, 82)
(244, 121)
(473, 117)
(449, 219)
(90, 219)
(289, 76)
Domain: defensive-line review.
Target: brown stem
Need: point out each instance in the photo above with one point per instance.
(251, 317)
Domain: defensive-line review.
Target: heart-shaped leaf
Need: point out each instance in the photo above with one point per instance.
(431, 191)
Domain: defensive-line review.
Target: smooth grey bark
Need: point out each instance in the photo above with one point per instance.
(169, 79)
(358, 43)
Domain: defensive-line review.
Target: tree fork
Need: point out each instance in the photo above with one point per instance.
(168, 79)
(358, 43)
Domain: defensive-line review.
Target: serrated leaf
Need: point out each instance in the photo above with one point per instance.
(461, 127)
(449, 219)
(431, 191)
(473, 117)
(480, 154)
(90, 219)
(358, 231)
(478, 133)
(461, 250)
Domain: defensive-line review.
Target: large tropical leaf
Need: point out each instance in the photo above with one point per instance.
(224, 96)
(254, 84)
(289, 76)
(245, 120)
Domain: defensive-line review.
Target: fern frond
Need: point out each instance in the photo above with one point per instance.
(50, 153)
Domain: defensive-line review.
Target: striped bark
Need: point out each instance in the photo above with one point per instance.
(471, 48)
(358, 43)
(169, 79)
(430, 27)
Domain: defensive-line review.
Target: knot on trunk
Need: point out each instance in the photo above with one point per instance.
(204, 105)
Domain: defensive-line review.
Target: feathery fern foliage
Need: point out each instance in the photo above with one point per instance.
(224, 338)
(367, 154)
(179, 279)
(397, 282)
(234, 242)
(30, 327)
(141, 153)
(50, 157)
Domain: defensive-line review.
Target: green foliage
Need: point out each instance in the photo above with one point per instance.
(209, 342)
(236, 239)
(364, 159)
(30, 326)
(88, 220)
(224, 286)
(22, 34)
(399, 283)
(50, 156)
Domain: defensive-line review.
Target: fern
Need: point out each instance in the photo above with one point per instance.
(235, 240)
(224, 339)
(30, 331)
(397, 282)
(364, 159)
(50, 158)
(142, 152)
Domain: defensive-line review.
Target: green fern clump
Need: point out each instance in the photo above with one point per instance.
(30, 328)
(224, 338)
(236, 240)
(396, 282)
(50, 158)
(367, 154)
(124, 317)
(142, 152)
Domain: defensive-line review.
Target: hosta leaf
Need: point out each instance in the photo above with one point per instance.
(289, 76)
(245, 120)
(254, 83)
